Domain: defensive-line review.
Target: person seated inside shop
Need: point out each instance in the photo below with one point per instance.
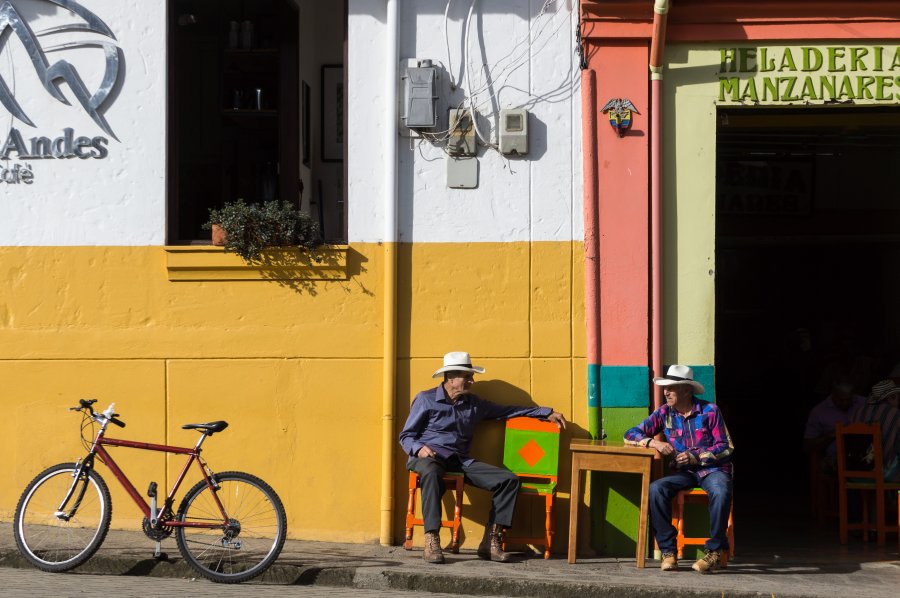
(437, 436)
(699, 448)
(839, 406)
(881, 409)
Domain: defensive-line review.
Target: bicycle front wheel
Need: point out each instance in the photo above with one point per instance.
(57, 537)
(251, 539)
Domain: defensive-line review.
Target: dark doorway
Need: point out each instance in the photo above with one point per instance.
(807, 276)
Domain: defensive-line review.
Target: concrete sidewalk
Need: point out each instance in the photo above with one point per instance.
(818, 567)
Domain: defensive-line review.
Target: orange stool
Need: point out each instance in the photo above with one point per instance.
(697, 495)
(452, 481)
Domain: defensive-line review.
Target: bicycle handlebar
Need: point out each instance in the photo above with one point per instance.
(107, 416)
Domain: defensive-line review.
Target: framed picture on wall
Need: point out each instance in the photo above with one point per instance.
(332, 113)
(305, 124)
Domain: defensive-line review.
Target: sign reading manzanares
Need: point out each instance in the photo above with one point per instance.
(32, 140)
(809, 74)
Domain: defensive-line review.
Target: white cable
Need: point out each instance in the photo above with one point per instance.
(447, 41)
(467, 70)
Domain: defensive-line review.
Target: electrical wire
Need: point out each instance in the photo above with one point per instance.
(467, 70)
(447, 41)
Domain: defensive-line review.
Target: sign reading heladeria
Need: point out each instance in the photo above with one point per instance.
(810, 74)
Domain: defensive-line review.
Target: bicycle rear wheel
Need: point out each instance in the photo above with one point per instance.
(58, 541)
(251, 540)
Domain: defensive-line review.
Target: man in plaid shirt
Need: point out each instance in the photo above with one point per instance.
(700, 448)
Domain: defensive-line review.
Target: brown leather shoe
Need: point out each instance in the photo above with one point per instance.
(433, 552)
(669, 562)
(491, 547)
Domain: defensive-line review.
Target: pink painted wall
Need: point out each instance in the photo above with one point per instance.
(623, 178)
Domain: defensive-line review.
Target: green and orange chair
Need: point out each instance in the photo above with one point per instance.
(531, 451)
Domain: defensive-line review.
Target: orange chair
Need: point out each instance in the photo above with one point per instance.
(531, 451)
(860, 467)
(452, 481)
(697, 495)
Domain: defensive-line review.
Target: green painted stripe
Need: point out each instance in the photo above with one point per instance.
(625, 385)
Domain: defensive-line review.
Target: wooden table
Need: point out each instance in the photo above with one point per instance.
(613, 456)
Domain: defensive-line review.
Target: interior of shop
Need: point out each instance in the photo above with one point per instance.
(807, 279)
(255, 110)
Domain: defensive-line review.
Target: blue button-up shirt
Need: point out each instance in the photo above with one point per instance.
(447, 428)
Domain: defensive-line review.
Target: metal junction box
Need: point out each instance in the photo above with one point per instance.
(419, 110)
(514, 131)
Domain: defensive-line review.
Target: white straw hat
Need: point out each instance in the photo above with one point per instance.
(679, 374)
(458, 361)
(883, 390)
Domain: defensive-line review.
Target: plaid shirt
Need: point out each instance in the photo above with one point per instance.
(702, 435)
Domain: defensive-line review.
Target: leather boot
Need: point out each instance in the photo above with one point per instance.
(433, 552)
(491, 547)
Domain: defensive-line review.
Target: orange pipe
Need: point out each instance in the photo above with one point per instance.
(591, 245)
(657, 48)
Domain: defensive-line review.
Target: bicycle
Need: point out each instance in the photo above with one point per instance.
(230, 527)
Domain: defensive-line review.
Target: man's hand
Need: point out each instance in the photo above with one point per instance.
(557, 418)
(682, 458)
(425, 452)
(664, 448)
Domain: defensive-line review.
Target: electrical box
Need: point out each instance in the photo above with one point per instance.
(419, 110)
(514, 131)
(461, 136)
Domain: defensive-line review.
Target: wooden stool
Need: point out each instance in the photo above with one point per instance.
(697, 495)
(452, 481)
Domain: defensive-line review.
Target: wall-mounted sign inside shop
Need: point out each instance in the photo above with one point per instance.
(806, 74)
(53, 74)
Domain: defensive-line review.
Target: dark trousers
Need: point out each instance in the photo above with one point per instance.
(501, 482)
(717, 485)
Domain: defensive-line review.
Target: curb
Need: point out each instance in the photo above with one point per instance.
(379, 578)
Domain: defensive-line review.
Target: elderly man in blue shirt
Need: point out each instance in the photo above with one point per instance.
(437, 437)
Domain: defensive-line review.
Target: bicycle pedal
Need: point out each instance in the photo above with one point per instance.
(151, 491)
(162, 556)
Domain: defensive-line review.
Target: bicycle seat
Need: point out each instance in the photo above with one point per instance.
(208, 428)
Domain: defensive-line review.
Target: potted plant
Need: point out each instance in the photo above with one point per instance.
(250, 228)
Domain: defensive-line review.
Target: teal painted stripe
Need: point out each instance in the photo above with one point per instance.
(706, 375)
(625, 385)
(594, 415)
(593, 373)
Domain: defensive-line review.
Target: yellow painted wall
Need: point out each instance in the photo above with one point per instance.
(295, 369)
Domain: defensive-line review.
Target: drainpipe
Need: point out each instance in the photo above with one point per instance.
(591, 246)
(389, 366)
(657, 47)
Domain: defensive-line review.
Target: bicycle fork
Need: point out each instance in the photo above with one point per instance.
(82, 469)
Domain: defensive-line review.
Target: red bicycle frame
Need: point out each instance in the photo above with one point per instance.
(194, 455)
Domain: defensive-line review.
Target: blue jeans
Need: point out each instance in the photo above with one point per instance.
(716, 484)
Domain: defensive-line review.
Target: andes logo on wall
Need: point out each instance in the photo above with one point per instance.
(52, 74)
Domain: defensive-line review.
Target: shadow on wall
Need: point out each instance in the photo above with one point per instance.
(288, 269)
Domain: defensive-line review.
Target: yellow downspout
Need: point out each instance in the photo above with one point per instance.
(389, 353)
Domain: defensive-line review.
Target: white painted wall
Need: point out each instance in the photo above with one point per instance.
(533, 65)
(117, 200)
(121, 199)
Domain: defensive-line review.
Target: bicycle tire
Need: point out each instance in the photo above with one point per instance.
(245, 548)
(54, 544)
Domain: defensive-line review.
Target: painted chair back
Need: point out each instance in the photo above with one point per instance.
(531, 448)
